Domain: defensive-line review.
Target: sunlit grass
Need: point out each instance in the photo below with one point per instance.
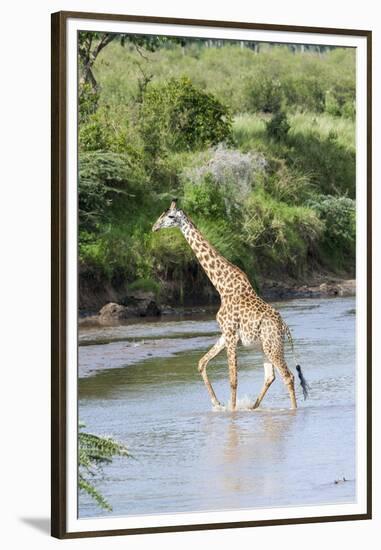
(325, 125)
(250, 129)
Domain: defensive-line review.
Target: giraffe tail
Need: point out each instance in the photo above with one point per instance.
(303, 382)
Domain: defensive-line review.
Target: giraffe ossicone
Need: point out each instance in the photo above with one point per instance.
(243, 316)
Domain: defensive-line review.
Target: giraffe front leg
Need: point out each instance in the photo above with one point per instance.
(231, 349)
(233, 387)
(202, 364)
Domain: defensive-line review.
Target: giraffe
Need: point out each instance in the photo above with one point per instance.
(243, 316)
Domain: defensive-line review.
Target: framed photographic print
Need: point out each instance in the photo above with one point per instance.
(211, 275)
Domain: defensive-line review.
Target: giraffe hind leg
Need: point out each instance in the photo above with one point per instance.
(288, 379)
(269, 379)
(274, 352)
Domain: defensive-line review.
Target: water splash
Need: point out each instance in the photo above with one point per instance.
(245, 403)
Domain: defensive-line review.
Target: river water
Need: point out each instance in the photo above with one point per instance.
(139, 383)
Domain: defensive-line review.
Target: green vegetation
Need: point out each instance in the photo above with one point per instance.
(177, 116)
(94, 451)
(256, 141)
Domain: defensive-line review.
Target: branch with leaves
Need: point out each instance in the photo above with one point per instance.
(94, 452)
(90, 45)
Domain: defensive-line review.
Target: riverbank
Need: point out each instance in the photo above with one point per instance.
(112, 346)
(318, 287)
(119, 307)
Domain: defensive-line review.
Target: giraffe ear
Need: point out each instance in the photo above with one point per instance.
(173, 204)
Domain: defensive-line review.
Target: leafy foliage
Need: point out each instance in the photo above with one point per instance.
(219, 186)
(177, 115)
(339, 238)
(284, 233)
(265, 94)
(331, 163)
(277, 127)
(103, 178)
(305, 91)
(95, 451)
(87, 102)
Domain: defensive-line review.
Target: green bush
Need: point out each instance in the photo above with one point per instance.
(121, 253)
(287, 184)
(340, 103)
(264, 94)
(204, 199)
(88, 100)
(94, 195)
(283, 237)
(330, 163)
(104, 178)
(99, 134)
(278, 126)
(178, 116)
(222, 181)
(111, 130)
(304, 92)
(339, 237)
(349, 109)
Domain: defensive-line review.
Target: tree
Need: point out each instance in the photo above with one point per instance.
(90, 45)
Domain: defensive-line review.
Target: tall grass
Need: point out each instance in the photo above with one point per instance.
(249, 129)
(325, 125)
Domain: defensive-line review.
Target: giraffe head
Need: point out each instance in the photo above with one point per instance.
(170, 218)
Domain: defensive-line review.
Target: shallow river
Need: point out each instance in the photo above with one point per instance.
(139, 383)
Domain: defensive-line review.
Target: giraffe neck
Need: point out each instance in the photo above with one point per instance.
(225, 277)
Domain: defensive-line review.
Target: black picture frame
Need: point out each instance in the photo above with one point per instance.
(59, 272)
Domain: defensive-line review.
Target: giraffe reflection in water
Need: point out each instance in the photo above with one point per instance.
(234, 451)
